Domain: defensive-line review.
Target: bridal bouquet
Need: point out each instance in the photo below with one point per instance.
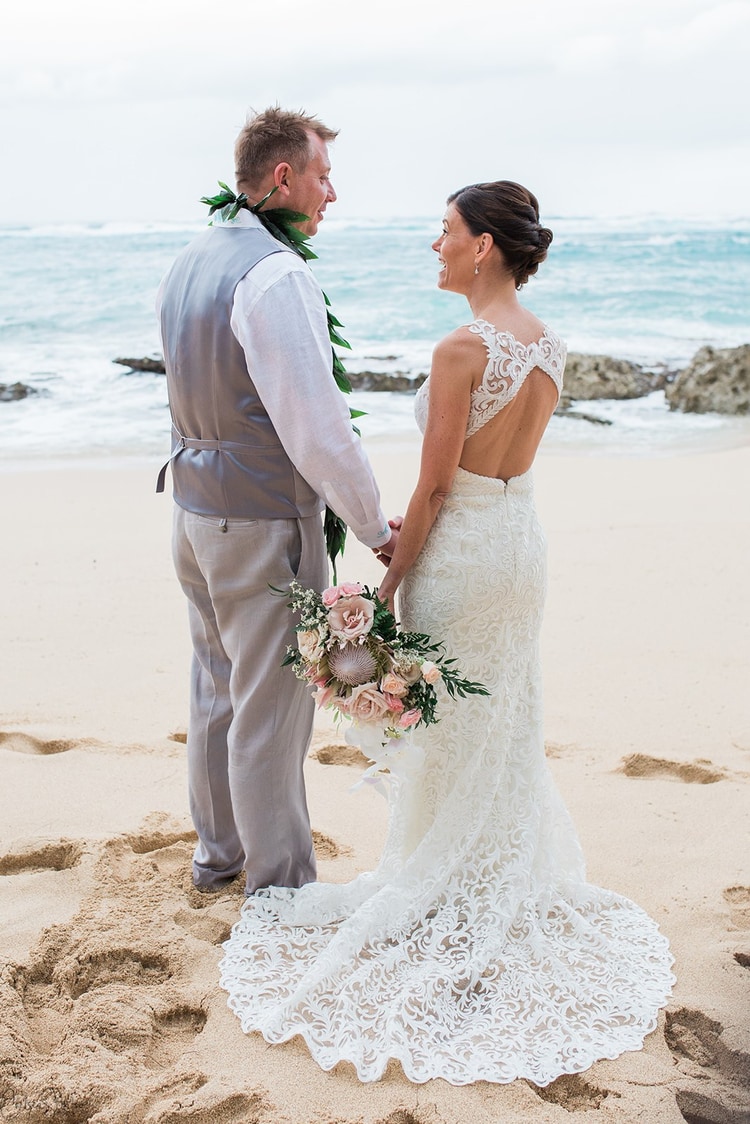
(379, 678)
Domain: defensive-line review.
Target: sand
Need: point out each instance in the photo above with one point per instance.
(111, 1010)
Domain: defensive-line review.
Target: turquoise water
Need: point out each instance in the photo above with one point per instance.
(74, 298)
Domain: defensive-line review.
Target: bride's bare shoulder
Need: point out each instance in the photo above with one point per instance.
(460, 348)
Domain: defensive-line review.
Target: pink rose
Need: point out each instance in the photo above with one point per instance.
(323, 695)
(330, 596)
(410, 718)
(351, 618)
(394, 704)
(350, 589)
(393, 684)
(430, 672)
(367, 704)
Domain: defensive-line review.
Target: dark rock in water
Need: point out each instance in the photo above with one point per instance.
(380, 380)
(153, 366)
(360, 380)
(15, 391)
(599, 376)
(716, 381)
(566, 410)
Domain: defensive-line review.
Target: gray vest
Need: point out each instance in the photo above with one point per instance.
(227, 459)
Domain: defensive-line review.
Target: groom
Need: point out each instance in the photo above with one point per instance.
(261, 440)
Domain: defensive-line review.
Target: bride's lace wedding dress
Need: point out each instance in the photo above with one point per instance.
(476, 950)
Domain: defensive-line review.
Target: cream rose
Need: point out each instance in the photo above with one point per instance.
(351, 618)
(393, 684)
(367, 704)
(410, 672)
(310, 644)
(430, 672)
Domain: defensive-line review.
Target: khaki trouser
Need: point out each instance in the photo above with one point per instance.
(250, 718)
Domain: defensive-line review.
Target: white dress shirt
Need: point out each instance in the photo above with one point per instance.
(279, 319)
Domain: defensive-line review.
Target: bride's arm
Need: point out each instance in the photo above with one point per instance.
(453, 367)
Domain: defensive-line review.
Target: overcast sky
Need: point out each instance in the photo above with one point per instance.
(602, 107)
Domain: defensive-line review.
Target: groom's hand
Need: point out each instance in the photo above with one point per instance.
(384, 553)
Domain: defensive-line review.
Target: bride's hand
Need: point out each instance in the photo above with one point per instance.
(388, 599)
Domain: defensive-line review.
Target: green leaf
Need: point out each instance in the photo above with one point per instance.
(334, 529)
(255, 209)
(357, 413)
(342, 382)
(285, 215)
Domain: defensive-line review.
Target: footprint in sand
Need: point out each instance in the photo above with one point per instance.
(700, 1108)
(25, 743)
(341, 755)
(327, 848)
(174, 1031)
(211, 1103)
(738, 900)
(695, 772)
(719, 1072)
(176, 1093)
(128, 1020)
(38, 855)
(401, 1116)
(126, 965)
(147, 842)
(208, 924)
(573, 1093)
(557, 749)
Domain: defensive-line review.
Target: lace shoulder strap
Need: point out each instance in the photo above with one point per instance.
(508, 364)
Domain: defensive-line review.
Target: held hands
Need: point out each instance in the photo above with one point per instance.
(384, 553)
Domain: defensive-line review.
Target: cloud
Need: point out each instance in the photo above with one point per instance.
(597, 103)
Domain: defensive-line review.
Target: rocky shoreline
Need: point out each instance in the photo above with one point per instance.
(717, 380)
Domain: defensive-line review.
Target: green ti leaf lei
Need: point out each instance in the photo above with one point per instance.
(280, 222)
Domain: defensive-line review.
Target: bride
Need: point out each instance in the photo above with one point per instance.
(476, 950)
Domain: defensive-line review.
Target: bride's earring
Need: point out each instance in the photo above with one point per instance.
(476, 270)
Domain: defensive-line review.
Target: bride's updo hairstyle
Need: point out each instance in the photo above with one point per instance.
(510, 213)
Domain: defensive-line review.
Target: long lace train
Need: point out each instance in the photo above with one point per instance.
(476, 950)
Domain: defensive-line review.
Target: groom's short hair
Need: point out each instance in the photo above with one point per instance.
(272, 137)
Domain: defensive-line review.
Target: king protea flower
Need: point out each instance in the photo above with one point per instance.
(352, 664)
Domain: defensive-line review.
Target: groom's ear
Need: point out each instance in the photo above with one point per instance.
(281, 177)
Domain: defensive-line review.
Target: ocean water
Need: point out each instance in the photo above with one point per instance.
(73, 298)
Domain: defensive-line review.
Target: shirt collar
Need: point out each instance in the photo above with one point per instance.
(242, 218)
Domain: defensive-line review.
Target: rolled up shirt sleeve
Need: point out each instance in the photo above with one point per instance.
(279, 319)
